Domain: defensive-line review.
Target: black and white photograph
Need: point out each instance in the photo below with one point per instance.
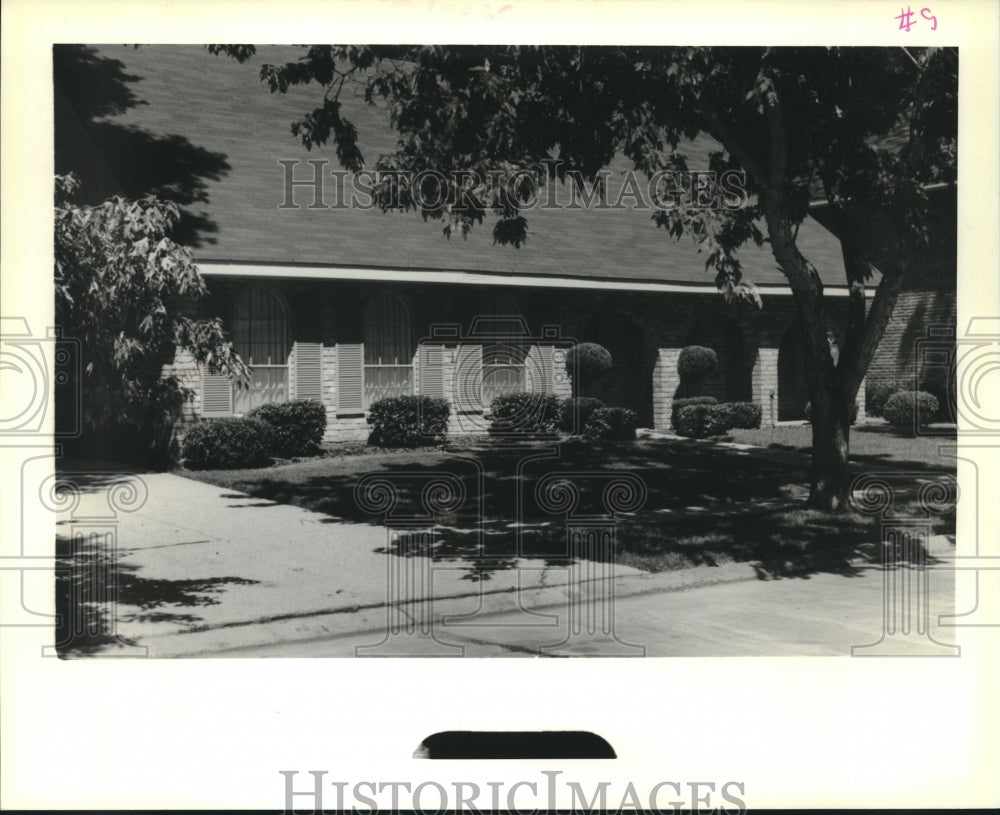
(678, 356)
(493, 350)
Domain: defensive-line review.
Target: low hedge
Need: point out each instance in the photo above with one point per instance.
(526, 413)
(854, 412)
(575, 412)
(700, 421)
(614, 423)
(297, 426)
(408, 421)
(229, 444)
(743, 415)
(910, 409)
(877, 393)
(691, 400)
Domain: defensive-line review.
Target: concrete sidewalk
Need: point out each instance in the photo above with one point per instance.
(204, 569)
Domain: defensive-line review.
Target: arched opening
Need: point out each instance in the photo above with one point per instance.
(731, 380)
(793, 390)
(629, 383)
(505, 352)
(261, 332)
(389, 347)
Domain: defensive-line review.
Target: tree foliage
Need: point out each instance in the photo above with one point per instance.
(867, 129)
(118, 280)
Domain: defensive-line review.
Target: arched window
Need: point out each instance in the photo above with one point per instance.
(389, 347)
(262, 337)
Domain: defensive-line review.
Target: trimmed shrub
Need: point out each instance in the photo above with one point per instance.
(575, 412)
(585, 363)
(528, 413)
(297, 426)
(877, 392)
(701, 421)
(614, 423)
(229, 444)
(910, 409)
(696, 361)
(854, 412)
(408, 421)
(743, 415)
(693, 400)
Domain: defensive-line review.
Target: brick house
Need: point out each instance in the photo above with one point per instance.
(346, 304)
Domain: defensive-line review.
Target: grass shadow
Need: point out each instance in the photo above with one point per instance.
(705, 504)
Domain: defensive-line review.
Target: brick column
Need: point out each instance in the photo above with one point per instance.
(666, 380)
(764, 382)
(562, 385)
(329, 391)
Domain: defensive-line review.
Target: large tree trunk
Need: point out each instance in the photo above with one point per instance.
(829, 482)
(832, 389)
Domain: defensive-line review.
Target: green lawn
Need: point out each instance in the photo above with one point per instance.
(873, 443)
(705, 503)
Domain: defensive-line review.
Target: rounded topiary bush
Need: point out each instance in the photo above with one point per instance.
(585, 363)
(408, 421)
(575, 412)
(696, 361)
(854, 412)
(229, 444)
(525, 413)
(677, 404)
(614, 423)
(877, 392)
(910, 409)
(743, 415)
(700, 420)
(298, 426)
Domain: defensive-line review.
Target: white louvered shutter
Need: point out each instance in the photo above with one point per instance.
(468, 382)
(308, 371)
(432, 371)
(216, 394)
(540, 370)
(350, 378)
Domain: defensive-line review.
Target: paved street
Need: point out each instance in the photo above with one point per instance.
(825, 614)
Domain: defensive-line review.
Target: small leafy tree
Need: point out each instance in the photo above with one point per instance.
(118, 276)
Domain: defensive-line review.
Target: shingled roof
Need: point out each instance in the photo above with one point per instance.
(221, 107)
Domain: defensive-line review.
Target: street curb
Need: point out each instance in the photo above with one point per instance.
(307, 627)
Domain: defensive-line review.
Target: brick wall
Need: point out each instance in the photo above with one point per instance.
(664, 323)
(927, 303)
(915, 312)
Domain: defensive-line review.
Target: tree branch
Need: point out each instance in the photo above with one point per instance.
(733, 144)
